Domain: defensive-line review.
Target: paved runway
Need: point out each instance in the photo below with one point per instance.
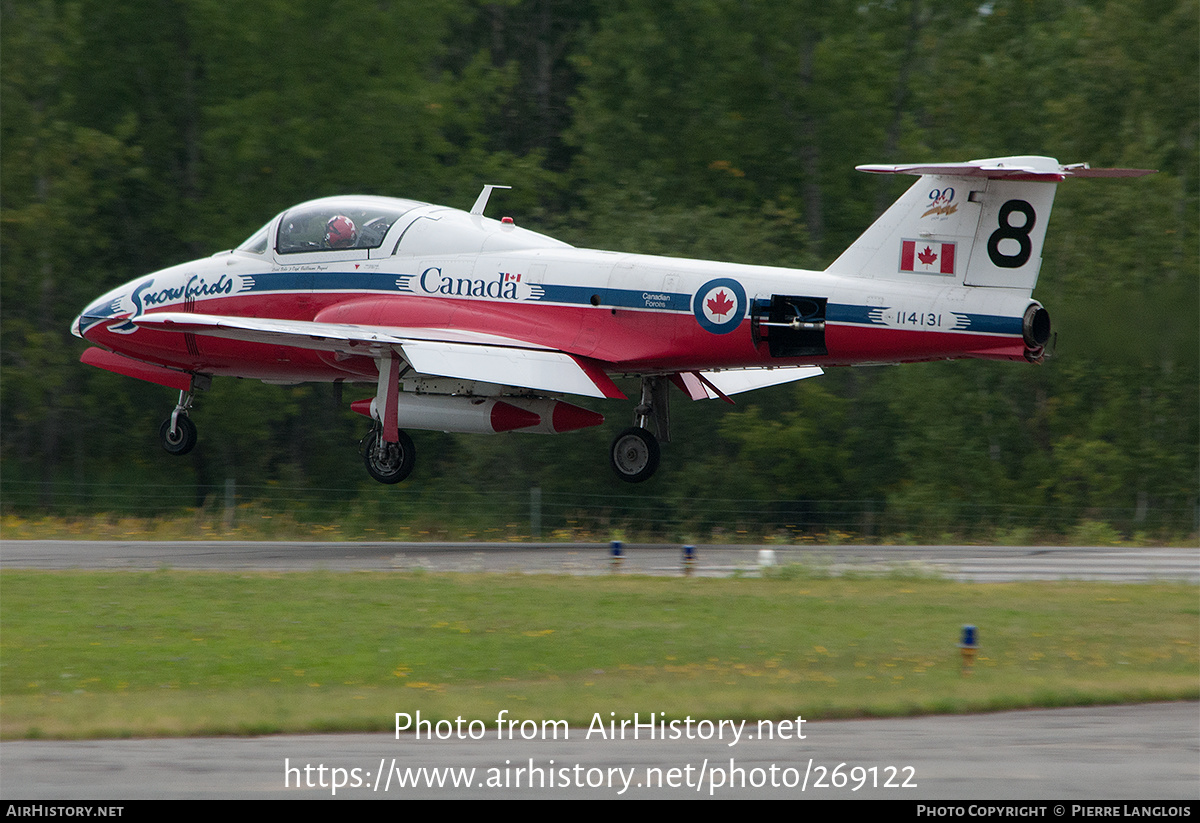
(975, 563)
(1148, 752)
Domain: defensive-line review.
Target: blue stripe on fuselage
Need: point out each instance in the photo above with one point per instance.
(342, 281)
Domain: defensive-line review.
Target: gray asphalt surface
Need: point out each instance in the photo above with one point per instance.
(1084, 754)
(975, 563)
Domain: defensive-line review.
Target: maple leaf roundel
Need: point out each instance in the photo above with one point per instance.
(720, 305)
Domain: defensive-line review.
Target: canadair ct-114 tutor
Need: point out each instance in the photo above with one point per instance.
(464, 323)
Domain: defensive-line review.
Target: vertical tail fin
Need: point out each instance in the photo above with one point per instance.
(980, 223)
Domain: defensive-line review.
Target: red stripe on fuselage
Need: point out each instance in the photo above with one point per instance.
(624, 340)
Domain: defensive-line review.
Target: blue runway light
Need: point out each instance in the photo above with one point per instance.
(968, 638)
(616, 554)
(968, 647)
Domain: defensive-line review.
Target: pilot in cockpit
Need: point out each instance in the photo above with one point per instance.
(340, 233)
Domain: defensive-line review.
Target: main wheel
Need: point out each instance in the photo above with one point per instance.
(634, 455)
(390, 462)
(183, 440)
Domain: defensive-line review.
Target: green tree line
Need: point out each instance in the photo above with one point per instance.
(142, 134)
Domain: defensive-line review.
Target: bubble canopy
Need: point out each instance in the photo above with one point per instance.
(331, 224)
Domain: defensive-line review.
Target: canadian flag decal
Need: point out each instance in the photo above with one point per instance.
(923, 257)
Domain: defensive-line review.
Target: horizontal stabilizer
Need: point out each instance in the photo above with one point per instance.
(1028, 168)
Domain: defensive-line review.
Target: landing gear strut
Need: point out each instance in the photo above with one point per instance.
(388, 462)
(635, 453)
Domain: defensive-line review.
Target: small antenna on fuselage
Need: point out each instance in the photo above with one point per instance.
(482, 200)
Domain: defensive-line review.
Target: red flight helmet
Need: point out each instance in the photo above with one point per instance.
(340, 232)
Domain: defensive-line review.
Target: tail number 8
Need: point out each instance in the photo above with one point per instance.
(1007, 231)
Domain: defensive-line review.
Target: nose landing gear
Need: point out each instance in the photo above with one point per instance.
(178, 432)
(178, 435)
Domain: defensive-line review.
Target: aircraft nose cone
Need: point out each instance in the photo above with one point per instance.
(88, 320)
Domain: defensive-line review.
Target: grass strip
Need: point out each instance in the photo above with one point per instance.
(88, 654)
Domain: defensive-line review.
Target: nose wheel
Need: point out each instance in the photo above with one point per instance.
(178, 432)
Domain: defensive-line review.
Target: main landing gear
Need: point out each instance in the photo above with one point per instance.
(388, 462)
(634, 454)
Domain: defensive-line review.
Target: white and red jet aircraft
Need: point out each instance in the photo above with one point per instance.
(468, 324)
